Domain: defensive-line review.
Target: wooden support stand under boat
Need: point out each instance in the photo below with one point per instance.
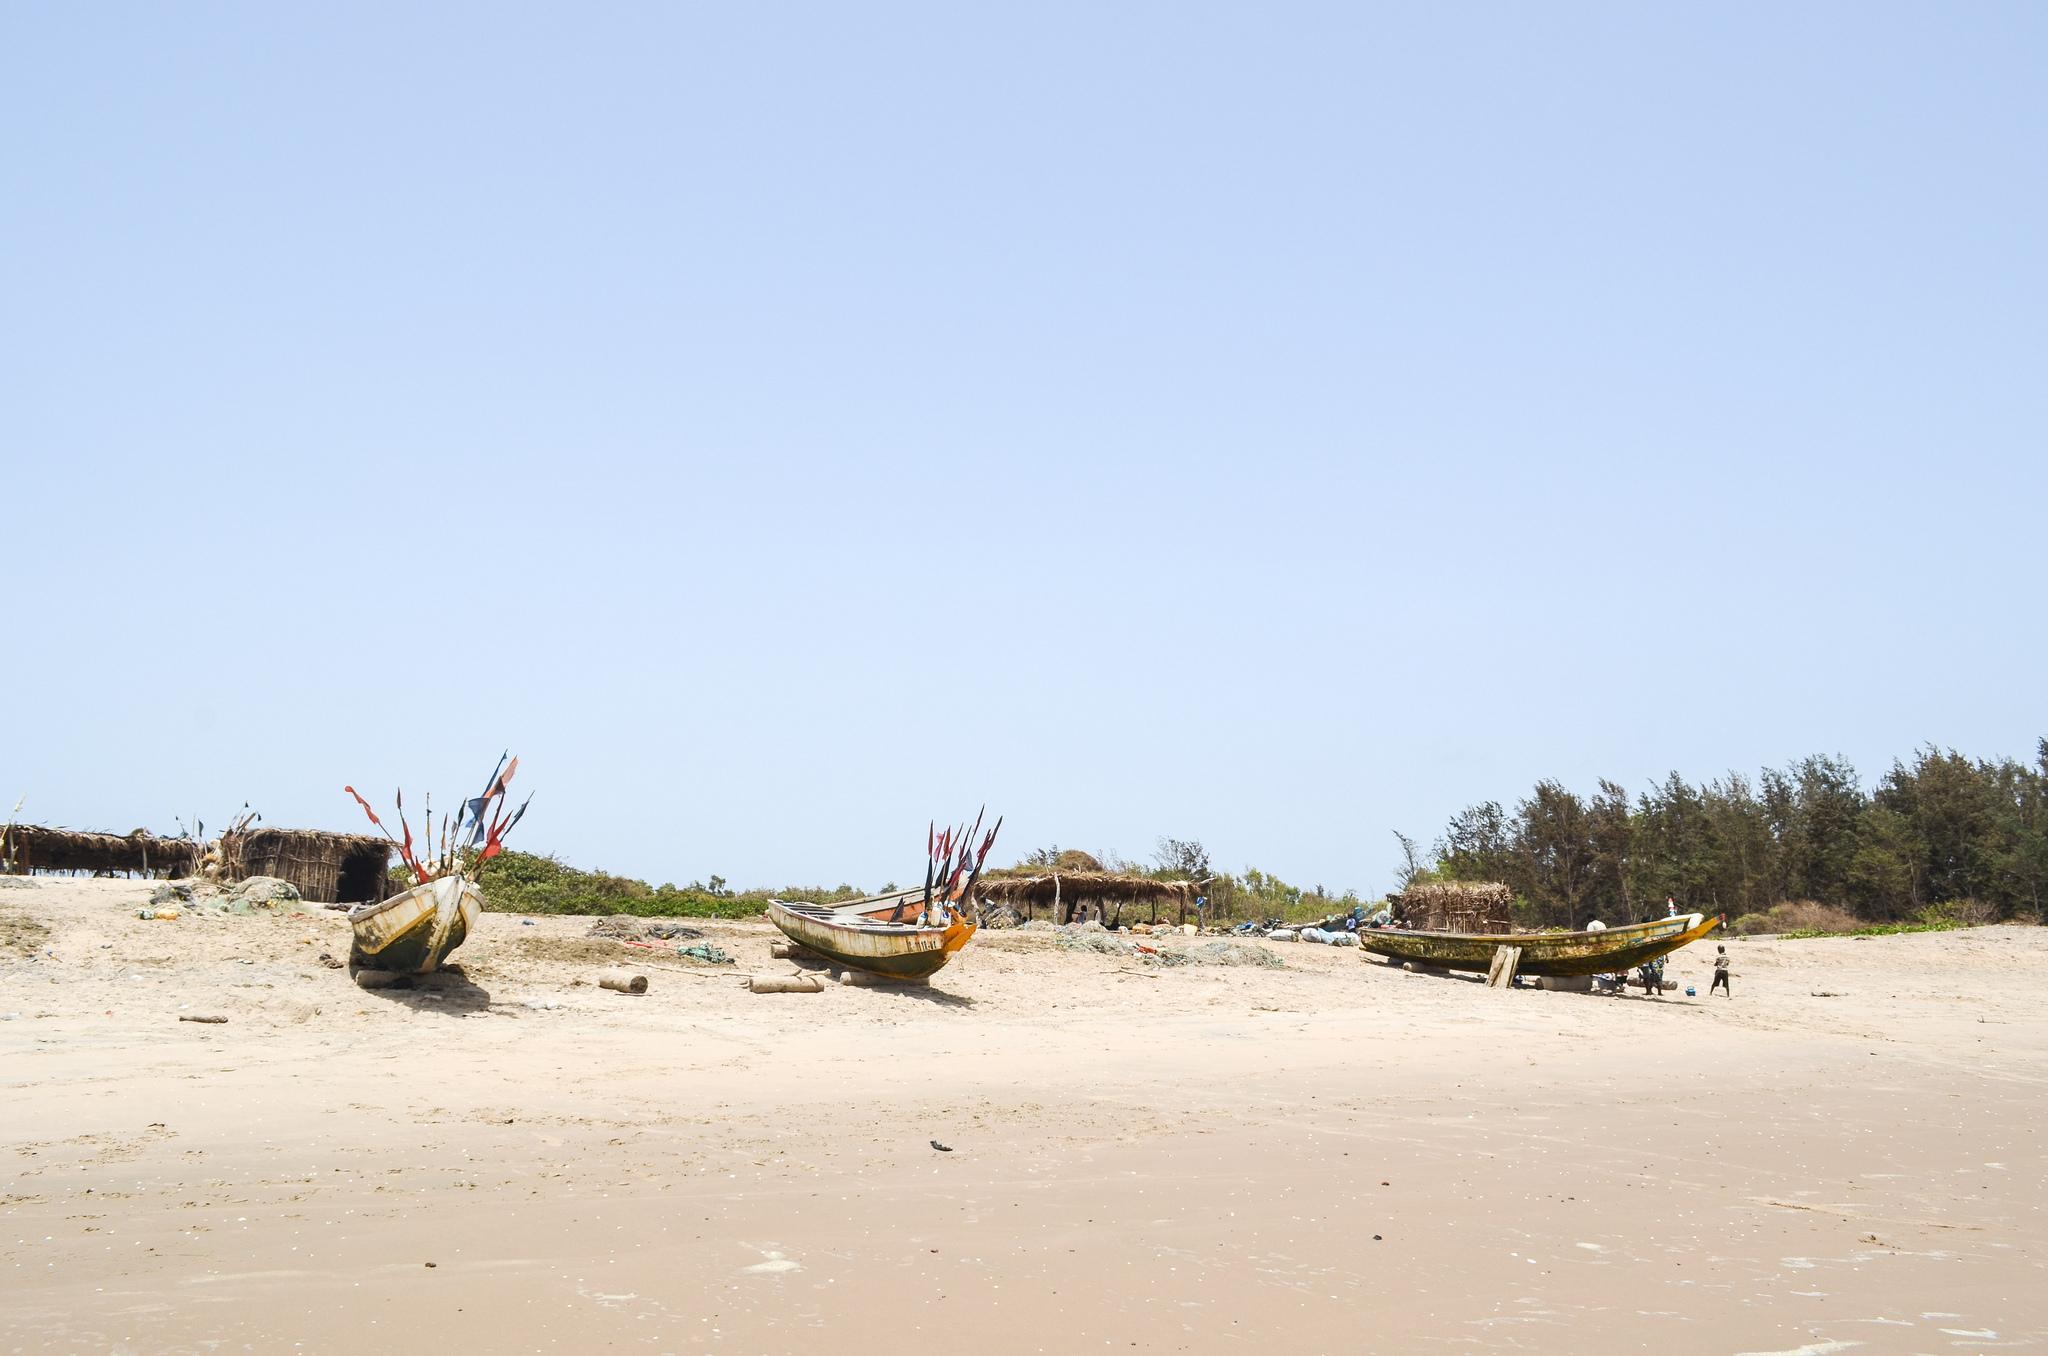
(1502, 973)
(1542, 953)
(880, 935)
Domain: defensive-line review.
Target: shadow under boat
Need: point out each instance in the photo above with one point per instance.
(447, 989)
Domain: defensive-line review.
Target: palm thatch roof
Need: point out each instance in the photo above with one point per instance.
(1469, 906)
(31, 847)
(328, 868)
(1062, 895)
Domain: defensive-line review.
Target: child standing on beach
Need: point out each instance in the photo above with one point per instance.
(1720, 973)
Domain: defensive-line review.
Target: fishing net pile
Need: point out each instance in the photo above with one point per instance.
(1219, 953)
(1091, 937)
(624, 928)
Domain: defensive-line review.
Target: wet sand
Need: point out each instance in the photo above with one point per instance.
(1334, 1155)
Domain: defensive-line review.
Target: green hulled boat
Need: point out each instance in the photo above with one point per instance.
(1608, 951)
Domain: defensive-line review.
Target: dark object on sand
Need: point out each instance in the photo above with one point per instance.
(210, 1021)
(942, 1148)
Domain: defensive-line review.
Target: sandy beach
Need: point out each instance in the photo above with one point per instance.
(1334, 1155)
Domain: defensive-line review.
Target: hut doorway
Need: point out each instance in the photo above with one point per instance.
(362, 878)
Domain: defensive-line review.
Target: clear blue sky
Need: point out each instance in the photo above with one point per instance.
(1270, 424)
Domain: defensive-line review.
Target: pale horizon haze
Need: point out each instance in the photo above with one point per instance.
(784, 425)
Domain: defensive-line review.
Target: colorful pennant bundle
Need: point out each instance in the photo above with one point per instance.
(952, 858)
(470, 837)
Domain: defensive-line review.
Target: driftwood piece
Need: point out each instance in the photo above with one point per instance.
(210, 1021)
(622, 981)
(784, 984)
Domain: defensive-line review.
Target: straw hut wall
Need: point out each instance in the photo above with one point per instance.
(327, 868)
(30, 847)
(1108, 897)
(1459, 906)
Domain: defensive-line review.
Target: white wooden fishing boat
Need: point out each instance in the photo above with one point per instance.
(412, 933)
(883, 934)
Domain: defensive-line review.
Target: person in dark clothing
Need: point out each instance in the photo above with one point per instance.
(1720, 973)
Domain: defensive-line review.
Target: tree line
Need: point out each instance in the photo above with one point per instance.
(1940, 831)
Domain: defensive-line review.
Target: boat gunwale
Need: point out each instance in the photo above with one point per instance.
(1620, 932)
(848, 918)
(370, 909)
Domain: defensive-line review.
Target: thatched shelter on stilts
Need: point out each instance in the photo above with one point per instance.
(327, 868)
(1468, 906)
(31, 847)
(1107, 897)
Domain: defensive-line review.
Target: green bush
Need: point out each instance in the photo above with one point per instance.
(1874, 930)
(1957, 913)
(526, 882)
(1800, 917)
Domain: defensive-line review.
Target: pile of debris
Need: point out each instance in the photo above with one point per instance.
(1091, 936)
(624, 928)
(1155, 950)
(1216, 953)
(257, 894)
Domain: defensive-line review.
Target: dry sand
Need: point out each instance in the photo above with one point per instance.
(1335, 1156)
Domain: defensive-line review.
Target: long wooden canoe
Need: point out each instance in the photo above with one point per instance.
(1544, 953)
(882, 934)
(412, 933)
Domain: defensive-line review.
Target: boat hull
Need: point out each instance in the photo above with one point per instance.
(859, 936)
(1544, 953)
(412, 933)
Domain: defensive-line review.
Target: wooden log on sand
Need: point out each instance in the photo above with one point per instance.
(784, 984)
(622, 981)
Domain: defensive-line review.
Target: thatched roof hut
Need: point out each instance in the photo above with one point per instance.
(1063, 896)
(31, 847)
(1469, 906)
(327, 868)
